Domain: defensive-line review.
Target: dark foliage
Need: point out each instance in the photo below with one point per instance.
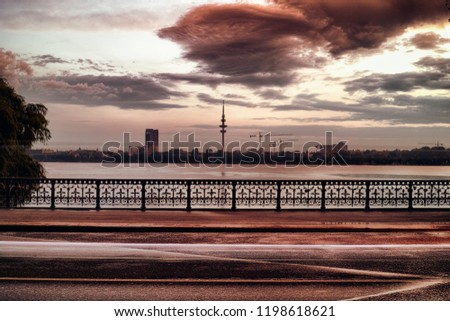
(21, 125)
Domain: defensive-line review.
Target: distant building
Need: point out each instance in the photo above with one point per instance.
(152, 140)
(223, 126)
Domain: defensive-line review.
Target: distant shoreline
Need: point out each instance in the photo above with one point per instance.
(422, 156)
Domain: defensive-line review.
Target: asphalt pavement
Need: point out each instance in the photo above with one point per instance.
(131, 271)
(224, 255)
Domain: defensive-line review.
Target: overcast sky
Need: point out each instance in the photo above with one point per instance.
(375, 72)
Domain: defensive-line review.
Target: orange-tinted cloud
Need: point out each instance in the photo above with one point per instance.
(12, 68)
(244, 39)
(241, 40)
(428, 40)
(354, 24)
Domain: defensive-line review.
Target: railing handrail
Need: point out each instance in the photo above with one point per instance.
(221, 180)
(231, 194)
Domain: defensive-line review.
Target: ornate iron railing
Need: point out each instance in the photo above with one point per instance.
(223, 194)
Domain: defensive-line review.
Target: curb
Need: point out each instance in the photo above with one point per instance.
(159, 229)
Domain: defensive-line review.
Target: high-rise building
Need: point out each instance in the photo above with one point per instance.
(152, 140)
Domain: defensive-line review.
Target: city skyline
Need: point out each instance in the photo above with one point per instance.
(375, 73)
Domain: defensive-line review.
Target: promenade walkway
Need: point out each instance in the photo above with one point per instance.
(251, 220)
(224, 255)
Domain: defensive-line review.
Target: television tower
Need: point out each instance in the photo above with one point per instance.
(223, 126)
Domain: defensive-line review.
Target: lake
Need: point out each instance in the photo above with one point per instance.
(176, 171)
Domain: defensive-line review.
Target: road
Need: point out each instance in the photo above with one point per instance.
(73, 270)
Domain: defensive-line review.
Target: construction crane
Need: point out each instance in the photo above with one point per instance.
(437, 144)
(260, 135)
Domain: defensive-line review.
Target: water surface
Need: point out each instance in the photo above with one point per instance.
(174, 171)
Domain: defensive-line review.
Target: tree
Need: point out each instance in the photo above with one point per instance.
(21, 125)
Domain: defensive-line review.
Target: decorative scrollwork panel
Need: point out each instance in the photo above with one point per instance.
(75, 193)
(161, 194)
(211, 194)
(430, 194)
(389, 194)
(345, 194)
(256, 194)
(120, 193)
(300, 194)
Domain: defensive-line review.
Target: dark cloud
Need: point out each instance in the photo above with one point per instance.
(12, 68)
(410, 110)
(242, 40)
(233, 96)
(394, 109)
(192, 78)
(271, 94)
(218, 36)
(122, 91)
(247, 43)
(406, 81)
(83, 63)
(215, 101)
(434, 104)
(441, 65)
(428, 40)
(101, 66)
(349, 25)
(435, 76)
(44, 60)
(251, 81)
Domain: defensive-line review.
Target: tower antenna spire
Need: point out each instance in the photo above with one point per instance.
(223, 126)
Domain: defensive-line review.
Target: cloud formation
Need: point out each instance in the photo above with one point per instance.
(251, 80)
(436, 75)
(12, 68)
(394, 109)
(215, 101)
(121, 91)
(244, 40)
(249, 44)
(428, 40)
(271, 94)
(101, 66)
(349, 25)
(437, 64)
(44, 60)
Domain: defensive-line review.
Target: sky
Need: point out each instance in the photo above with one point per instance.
(373, 72)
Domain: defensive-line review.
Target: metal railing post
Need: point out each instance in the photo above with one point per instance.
(188, 200)
(367, 207)
(410, 195)
(322, 201)
(233, 195)
(52, 194)
(97, 195)
(143, 195)
(278, 196)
